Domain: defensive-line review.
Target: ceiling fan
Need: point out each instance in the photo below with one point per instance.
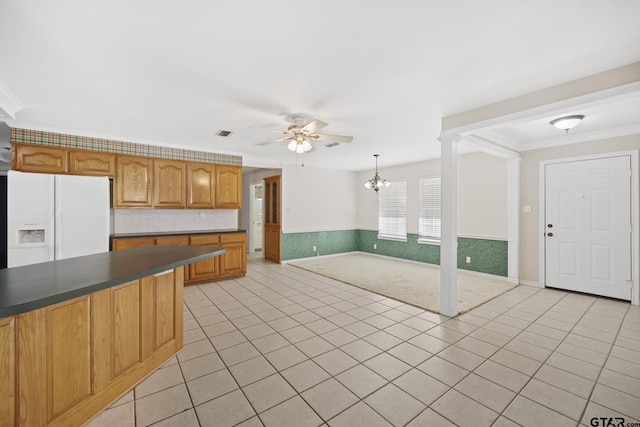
(303, 130)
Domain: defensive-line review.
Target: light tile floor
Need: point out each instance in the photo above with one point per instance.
(285, 347)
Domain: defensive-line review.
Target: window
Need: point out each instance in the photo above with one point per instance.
(429, 222)
(392, 211)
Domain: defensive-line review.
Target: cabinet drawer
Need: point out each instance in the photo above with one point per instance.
(232, 238)
(132, 243)
(173, 240)
(207, 239)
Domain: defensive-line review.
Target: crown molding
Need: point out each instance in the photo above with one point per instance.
(9, 103)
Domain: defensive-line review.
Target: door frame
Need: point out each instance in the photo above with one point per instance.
(635, 235)
(252, 237)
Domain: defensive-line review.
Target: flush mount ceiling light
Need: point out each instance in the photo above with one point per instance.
(567, 123)
(376, 183)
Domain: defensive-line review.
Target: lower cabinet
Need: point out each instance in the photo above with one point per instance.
(232, 263)
(206, 269)
(63, 364)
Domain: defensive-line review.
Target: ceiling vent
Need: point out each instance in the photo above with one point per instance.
(224, 133)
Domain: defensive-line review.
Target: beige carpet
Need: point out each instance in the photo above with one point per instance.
(405, 281)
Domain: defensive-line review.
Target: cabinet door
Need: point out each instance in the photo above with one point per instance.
(7, 371)
(169, 183)
(228, 187)
(133, 182)
(207, 268)
(234, 261)
(92, 163)
(272, 219)
(201, 188)
(134, 242)
(36, 158)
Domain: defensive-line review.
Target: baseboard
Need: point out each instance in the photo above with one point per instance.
(531, 283)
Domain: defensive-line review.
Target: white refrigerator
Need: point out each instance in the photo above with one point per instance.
(52, 217)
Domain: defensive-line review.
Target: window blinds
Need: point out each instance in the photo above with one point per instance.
(429, 222)
(392, 211)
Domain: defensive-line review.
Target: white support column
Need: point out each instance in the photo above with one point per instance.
(449, 225)
(513, 219)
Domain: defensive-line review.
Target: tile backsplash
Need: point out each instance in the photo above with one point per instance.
(161, 220)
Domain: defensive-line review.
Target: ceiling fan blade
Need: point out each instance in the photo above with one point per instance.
(274, 141)
(331, 138)
(314, 126)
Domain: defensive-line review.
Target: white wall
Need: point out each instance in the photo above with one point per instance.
(482, 195)
(317, 199)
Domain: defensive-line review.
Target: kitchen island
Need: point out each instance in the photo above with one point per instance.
(76, 334)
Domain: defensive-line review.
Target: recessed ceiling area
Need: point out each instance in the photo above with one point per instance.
(174, 74)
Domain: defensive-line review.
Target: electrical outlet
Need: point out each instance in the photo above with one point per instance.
(468, 260)
(314, 249)
(375, 246)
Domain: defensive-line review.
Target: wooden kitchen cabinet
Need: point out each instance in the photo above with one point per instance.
(169, 183)
(272, 219)
(201, 189)
(207, 268)
(134, 242)
(228, 187)
(133, 182)
(230, 264)
(234, 261)
(40, 159)
(7, 370)
(62, 364)
(173, 240)
(92, 163)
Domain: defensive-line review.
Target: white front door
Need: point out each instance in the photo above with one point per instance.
(588, 226)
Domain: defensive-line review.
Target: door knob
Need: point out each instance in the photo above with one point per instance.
(550, 234)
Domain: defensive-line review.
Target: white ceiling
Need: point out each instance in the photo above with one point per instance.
(174, 73)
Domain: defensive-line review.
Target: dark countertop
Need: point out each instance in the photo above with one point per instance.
(35, 286)
(177, 233)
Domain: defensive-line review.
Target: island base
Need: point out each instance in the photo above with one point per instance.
(63, 364)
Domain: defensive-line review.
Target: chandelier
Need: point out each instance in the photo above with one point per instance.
(376, 183)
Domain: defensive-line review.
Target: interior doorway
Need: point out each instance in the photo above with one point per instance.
(256, 224)
(588, 224)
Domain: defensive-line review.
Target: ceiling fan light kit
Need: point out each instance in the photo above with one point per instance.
(376, 183)
(567, 123)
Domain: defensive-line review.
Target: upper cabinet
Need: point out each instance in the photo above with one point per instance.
(138, 181)
(201, 190)
(169, 183)
(38, 158)
(228, 187)
(133, 182)
(92, 163)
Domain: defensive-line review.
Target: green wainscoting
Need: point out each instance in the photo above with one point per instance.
(487, 256)
(300, 245)
(406, 250)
